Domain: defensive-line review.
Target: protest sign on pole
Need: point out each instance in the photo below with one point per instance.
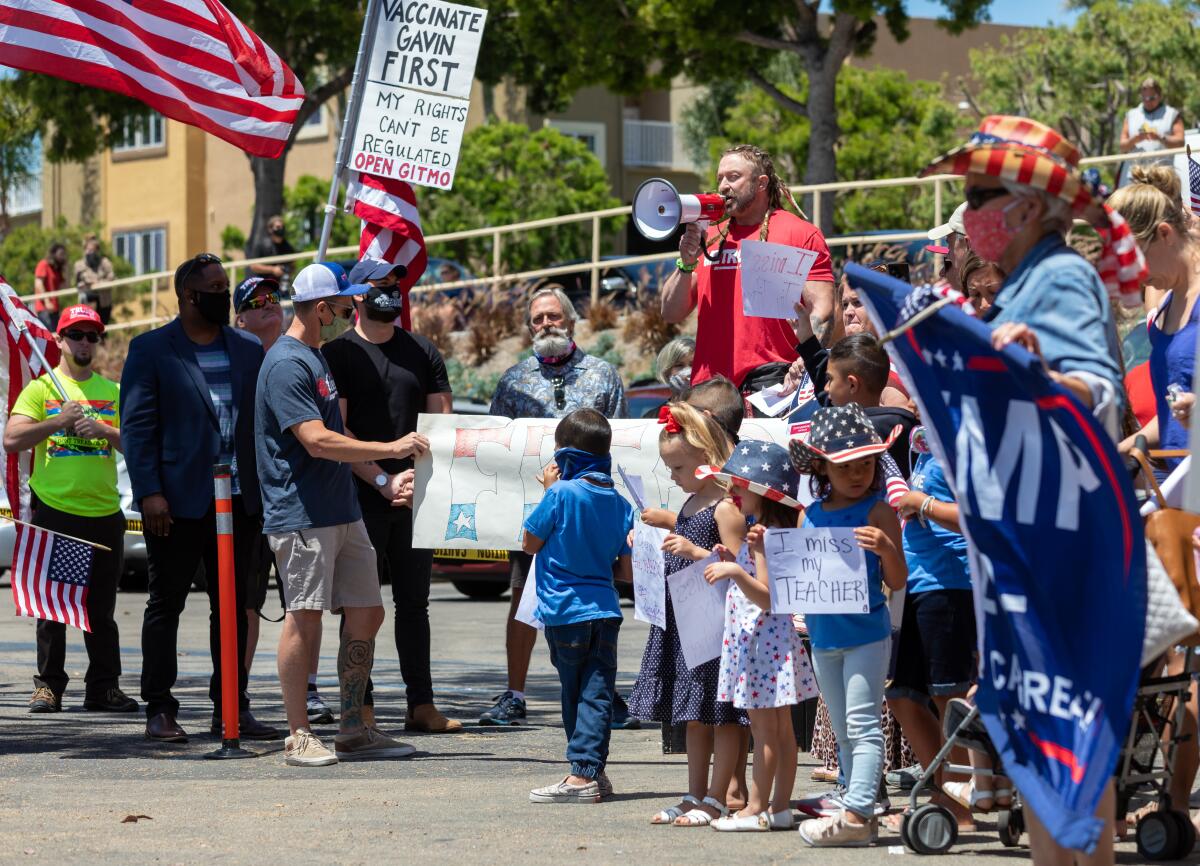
(414, 106)
(649, 584)
(699, 612)
(816, 569)
(773, 277)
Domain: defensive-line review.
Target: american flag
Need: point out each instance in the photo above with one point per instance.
(50, 576)
(391, 227)
(190, 60)
(1193, 184)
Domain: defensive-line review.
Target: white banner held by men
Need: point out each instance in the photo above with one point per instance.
(773, 277)
(816, 570)
(478, 482)
(415, 101)
(699, 612)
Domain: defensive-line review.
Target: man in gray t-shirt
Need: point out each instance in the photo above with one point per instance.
(313, 522)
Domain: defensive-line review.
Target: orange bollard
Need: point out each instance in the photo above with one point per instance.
(227, 614)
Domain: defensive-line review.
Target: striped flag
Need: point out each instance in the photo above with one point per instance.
(50, 577)
(190, 60)
(1193, 193)
(391, 228)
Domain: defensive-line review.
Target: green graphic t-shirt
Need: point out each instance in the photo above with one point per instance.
(70, 473)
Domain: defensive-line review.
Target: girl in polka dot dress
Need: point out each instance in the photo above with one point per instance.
(764, 667)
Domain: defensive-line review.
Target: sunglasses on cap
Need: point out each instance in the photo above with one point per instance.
(257, 302)
(978, 196)
(77, 336)
(189, 267)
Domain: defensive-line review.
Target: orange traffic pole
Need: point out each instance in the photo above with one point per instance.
(227, 614)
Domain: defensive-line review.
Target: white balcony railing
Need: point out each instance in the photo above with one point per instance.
(649, 143)
(26, 197)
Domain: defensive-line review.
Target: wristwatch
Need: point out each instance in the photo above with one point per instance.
(381, 479)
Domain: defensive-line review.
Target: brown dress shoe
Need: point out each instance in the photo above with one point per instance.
(427, 720)
(164, 729)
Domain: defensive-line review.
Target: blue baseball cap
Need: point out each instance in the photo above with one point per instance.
(247, 287)
(375, 269)
(324, 280)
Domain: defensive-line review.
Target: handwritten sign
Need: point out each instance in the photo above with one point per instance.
(527, 609)
(773, 277)
(635, 487)
(649, 585)
(415, 100)
(770, 402)
(816, 570)
(699, 612)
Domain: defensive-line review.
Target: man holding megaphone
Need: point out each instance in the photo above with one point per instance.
(753, 352)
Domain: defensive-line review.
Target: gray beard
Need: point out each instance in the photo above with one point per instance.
(552, 345)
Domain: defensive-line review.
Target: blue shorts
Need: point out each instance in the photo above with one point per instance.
(936, 651)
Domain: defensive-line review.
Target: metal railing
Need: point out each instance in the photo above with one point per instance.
(161, 280)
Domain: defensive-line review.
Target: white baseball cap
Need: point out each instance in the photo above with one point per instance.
(954, 224)
(324, 280)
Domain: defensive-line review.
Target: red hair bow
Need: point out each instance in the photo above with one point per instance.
(666, 417)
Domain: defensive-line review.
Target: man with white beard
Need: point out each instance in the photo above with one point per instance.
(555, 381)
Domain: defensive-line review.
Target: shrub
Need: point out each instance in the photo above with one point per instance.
(646, 328)
(601, 315)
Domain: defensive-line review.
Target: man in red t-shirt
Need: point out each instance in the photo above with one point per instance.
(754, 352)
(48, 277)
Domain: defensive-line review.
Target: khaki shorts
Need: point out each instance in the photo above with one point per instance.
(328, 568)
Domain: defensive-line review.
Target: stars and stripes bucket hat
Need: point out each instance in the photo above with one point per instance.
(1025, 151)
(839, 434)
(760, 467)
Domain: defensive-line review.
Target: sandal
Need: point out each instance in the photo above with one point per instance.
(700, 818)
(967, 796)
(668, 816)
(1003, 797)
(743, 823)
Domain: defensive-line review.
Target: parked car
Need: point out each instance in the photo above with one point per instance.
(646, 397)
(447, 271)
(621, 284)
(136, 569)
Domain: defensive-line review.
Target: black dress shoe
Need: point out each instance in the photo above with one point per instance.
(164, 729)
(112, 701)
(249, 728)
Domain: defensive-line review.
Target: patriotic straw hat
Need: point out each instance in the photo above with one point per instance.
(839, 434)
(760, 467)
(1025, 151)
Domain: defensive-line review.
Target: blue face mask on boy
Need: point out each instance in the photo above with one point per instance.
(573, 463)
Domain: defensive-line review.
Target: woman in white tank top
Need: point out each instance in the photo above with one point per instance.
(1151, 126)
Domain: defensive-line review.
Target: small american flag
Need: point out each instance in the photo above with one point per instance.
(391, 228)
(50, 577)
(1193, 184)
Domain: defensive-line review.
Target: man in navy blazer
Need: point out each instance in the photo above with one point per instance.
(187, 400)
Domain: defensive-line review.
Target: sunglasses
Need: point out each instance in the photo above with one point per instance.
(78, 336)
(259, 301)
(189, 267)
(977, 196)
(341, 310)
(560, 395)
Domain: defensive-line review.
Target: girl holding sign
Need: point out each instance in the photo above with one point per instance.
(666, 690)
(764, 667)
(851, 650)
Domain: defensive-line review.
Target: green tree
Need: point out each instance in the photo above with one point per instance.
(303, 214)
(633, 44)
(26, 245)
(507, 174)
(318, 39)
(18, 148)
(890, 126)
(1082, 79)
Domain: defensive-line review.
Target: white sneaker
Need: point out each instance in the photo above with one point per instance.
(303, 749)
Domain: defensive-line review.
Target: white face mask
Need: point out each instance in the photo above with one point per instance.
(681, 380)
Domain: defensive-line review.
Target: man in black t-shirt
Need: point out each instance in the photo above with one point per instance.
(385, 377)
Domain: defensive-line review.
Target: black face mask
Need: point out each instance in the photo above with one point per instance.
(93, 260)
(213, 306)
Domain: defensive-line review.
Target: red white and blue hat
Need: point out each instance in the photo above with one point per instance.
(760, 467)
(839, 434)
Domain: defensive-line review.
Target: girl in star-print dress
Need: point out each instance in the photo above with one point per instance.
(667, 691)
(764, 667)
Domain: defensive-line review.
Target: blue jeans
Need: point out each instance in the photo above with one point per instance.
(851, 681)
(585, 656)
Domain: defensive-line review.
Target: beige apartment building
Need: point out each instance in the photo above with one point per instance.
(169, 190)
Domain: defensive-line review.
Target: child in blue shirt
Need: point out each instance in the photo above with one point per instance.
(580, 535)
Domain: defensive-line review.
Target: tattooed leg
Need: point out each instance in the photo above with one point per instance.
(355, 658)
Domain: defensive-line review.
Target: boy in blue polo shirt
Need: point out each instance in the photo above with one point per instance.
(580, 534)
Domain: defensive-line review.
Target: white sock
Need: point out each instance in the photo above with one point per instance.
(520, 696)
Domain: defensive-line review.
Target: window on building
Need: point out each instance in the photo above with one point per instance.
(140, 133)
(315, 127)
(591, 134)
(145, 249)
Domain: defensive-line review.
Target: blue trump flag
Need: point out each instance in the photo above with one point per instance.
(1058, 557)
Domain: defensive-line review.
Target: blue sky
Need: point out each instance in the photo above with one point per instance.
(1030, 13)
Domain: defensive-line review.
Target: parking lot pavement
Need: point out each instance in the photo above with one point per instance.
(71, 784)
